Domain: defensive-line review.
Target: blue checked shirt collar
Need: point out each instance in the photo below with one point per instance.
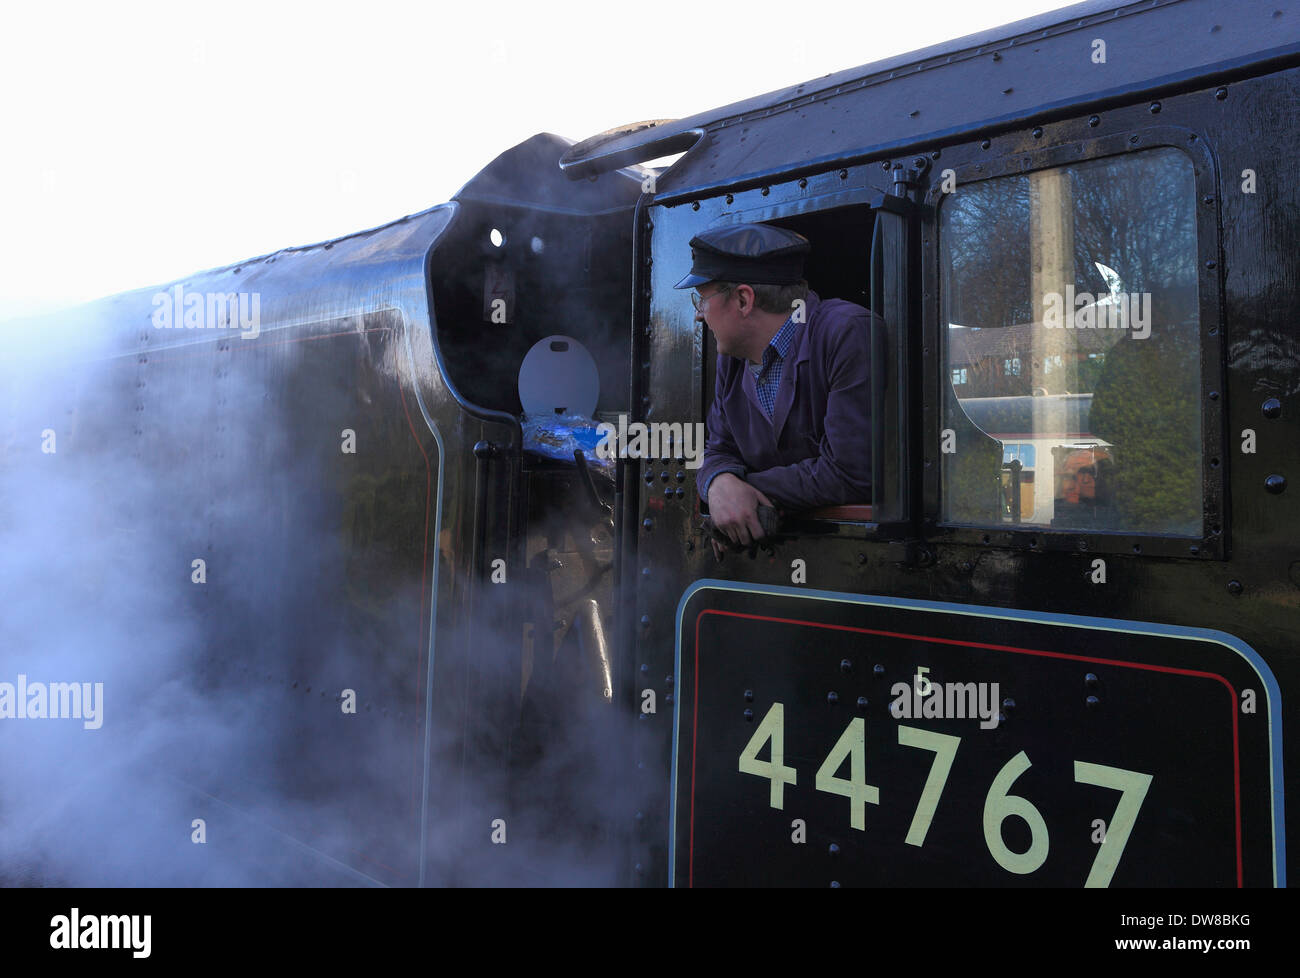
(767, 374)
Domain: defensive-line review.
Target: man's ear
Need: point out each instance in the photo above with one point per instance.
(744, 299)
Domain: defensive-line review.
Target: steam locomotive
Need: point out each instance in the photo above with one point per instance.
(1056, 646)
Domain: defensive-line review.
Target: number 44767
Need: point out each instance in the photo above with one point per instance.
(999, 804)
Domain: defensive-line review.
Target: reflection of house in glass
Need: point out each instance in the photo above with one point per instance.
(1003, 361)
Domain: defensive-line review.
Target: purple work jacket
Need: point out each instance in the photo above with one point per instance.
(815, 450)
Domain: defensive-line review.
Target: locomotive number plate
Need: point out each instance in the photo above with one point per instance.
(828, 739)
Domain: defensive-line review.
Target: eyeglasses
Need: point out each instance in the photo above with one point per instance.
(698, 301)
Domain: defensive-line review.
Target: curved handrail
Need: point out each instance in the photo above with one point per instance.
(626, 145)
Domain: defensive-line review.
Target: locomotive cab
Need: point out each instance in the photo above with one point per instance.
(530, 298)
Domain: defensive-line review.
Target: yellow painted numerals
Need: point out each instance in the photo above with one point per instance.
(853, 744)
(945, 749)
(999, 806)
(771, 728)
(1133, 786)
(999, 803)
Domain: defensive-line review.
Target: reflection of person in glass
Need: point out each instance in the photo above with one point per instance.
(791, 416)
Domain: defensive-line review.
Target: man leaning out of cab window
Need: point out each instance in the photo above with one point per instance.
(790, 425)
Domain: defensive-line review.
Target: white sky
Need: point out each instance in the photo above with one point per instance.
(143, 141)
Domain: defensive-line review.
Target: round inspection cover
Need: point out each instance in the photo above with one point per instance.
(558, 376)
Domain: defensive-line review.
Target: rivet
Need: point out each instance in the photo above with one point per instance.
(1211, 264)
(1008, 705)
(1214, 395)
(1092, 702)
(1234, 587)
(731, 199)
(1094, 121)
(749, 715)
(878, 671)
(934, 154)
(1272, 408)
(765, 191)
(986, 144)
(695, 205)
(803, 182)
(833, 849)
(668, 697)
(681, 493)
(668, 680)
(1038, 132)
(1091, 681)
(846, 665)
(648, 523)
(832, 698)
(645, 571)
(1275, 484)
(844, 174)
(645, 623)
(645, 668)
(835, 885)
(749, 696)
(639, 816)
(1133, 138)
(1154, 107)
(862, 702)
(862, 558)
(668, 492)
(1221, 93)
(1208, 199)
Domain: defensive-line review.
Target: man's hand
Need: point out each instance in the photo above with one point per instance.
(733, 506)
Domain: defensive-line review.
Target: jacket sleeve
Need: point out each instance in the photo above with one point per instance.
(721, 453)
(841, 472)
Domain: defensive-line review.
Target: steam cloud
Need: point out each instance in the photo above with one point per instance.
(221, 699)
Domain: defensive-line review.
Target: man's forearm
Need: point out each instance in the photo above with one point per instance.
(814, 482)
(715, 464)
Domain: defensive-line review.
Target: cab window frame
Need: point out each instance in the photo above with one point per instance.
(976, 167)
(889, 257)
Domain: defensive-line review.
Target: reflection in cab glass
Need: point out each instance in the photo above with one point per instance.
(1072, 348)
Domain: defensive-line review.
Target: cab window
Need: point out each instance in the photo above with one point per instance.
(1071, 346)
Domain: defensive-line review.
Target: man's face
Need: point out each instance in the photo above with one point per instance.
(716, 308)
